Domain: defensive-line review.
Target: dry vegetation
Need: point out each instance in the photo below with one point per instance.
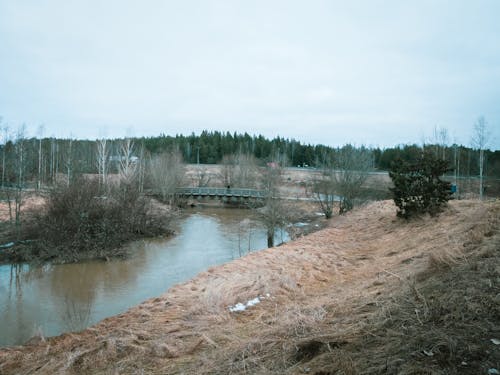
(81, 221)
(370, 294)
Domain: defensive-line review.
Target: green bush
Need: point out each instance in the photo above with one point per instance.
(418, 188)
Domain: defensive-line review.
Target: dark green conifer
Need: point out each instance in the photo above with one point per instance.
(418, 187)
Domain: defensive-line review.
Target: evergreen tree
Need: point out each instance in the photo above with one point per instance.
(418, 188)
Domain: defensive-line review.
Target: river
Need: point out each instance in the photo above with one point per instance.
(53, 299)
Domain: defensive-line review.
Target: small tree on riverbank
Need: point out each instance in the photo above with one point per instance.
(324, 192)
(274, 213)
(166, 173)
(342, 179)
(418, 187)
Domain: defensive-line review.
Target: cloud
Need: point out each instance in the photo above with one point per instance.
(329, 72)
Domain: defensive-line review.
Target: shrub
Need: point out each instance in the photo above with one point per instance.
(81, 221)
(418, 188)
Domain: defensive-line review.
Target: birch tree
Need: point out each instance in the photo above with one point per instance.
(69, 161)
(480, 140)
(128, 162)
(5, 139)
(19, 164)
(102, 160)
(40, 136)
(53, 159)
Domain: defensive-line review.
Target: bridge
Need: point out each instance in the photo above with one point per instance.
(234, 195)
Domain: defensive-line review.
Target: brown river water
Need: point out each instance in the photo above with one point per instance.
(53, 299)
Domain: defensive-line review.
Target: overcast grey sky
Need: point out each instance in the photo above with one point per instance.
(373, 72)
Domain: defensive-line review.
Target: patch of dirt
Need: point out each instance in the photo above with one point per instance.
(343, 300)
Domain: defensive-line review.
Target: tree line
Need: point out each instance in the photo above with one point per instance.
(97, 186)
(44, 158)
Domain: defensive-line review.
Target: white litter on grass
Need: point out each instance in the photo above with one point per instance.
(238, 307)
(495, 341)
(243, 306)
(253, 302)
(6, 245)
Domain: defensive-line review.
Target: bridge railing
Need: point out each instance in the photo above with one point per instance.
(221, 192)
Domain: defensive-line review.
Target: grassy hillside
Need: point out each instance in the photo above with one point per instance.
(370, 294)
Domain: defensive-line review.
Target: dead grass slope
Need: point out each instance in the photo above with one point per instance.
(370, 294)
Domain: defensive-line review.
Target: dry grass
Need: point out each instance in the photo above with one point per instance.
(31, 201)
(370, 294)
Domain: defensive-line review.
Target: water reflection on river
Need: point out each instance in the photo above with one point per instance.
(56, 298)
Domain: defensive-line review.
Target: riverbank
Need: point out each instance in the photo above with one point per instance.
(369, 294)
(303, 216)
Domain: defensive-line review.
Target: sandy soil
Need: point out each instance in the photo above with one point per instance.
(327, 298)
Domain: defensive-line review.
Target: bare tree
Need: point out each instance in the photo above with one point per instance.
(456, 169)
(480, 140)
(441, 141)
(142, 167)
(54, 147)
(6, 191)
(274, 213)
(279, 156)
(325, 192)
(342, 179)
(127, 168)
(20, 165)
(102, 160)
(202, 178)
(240, 170)
(167, 173)
(69, 161)
(5, 139)
(40, 135)
(245, 228)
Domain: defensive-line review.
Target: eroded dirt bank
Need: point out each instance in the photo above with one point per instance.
(370, 294)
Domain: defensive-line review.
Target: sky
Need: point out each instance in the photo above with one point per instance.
(378, 73)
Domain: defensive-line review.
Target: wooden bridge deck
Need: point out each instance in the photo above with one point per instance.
(220, 192)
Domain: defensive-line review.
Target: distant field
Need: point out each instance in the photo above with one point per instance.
(297, 180)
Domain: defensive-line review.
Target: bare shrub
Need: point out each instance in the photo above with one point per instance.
(240, 170)
(166, 174)
(80, 222)
(342, 179)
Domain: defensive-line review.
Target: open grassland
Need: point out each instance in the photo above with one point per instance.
(297, 182)
(369, 294)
